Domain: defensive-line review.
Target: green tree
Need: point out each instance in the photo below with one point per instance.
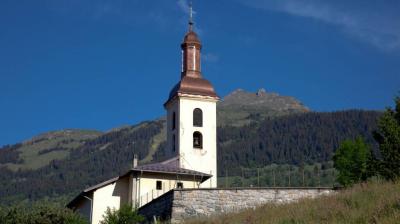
(388, 138)
(125, 215)
(351, 160)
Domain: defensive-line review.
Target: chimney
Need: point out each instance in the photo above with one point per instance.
(135, 161)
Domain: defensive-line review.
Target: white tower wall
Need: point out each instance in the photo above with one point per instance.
(205, 159)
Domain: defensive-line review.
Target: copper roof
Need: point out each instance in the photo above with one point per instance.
(191, 37)
(192, 86)
(192, 82)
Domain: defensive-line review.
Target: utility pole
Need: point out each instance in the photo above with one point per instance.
(242, 177)
(226, 177)
(319, 179)
(273, 174)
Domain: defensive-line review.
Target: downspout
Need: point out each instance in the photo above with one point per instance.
(91, 208)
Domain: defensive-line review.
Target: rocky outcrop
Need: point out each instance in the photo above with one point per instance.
(262, 100)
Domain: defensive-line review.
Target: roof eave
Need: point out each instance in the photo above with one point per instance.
(203, 176)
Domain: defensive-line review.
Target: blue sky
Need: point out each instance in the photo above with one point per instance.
(107, 63)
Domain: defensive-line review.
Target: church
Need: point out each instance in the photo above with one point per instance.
(191, 146)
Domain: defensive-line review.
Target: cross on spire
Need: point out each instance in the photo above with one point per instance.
(191, 16)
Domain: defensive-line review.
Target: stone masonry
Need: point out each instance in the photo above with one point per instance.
(180, 204)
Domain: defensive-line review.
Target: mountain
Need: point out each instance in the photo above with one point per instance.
(241, 107)
(42, 149)
(238, 108)
(272, 129)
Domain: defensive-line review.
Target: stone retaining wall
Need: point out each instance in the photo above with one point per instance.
(180, 204)
(160, 207)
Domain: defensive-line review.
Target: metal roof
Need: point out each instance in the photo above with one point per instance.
(166, 167)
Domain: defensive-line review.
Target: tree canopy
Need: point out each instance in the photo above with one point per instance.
(351, 160)
(388, 138)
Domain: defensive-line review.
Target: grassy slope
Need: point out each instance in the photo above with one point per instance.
(66, 139)
(156, 141)
(373, 202)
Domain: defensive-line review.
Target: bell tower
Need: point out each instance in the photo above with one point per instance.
(191, 114)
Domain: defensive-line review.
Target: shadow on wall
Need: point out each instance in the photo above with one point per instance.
(121, 191)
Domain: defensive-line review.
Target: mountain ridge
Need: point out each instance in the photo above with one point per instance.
(69, 139)
(263, 99)
(61, 166)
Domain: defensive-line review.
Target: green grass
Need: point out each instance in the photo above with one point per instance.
(372, 202)
(30, 150)
(156, 141)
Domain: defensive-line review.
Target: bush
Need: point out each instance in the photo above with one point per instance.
(351, 160)
(39, 214)
(125, 215)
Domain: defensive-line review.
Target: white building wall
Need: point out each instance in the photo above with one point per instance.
(171, 108)
(148, 191)
(112, 195)
(116, 194)
(205, 159)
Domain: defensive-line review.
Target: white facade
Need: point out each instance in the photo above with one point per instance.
(110, 196)
(191, 146)
(113, 194)
(202, 159)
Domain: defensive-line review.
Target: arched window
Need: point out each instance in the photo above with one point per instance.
(173, 121)
(197, 140)
(197, 118)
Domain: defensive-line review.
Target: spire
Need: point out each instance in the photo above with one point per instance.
(191, 82)
(191, 47)
(191, 17)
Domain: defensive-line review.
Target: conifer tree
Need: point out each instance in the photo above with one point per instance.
(388, 138)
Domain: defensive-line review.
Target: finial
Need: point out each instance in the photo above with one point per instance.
(191, 16)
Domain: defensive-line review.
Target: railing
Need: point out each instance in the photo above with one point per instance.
(153, 194)
(314, 175)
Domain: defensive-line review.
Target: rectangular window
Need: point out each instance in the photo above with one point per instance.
(159, 185)
(179, 185)
(173, 143)
(173, 121)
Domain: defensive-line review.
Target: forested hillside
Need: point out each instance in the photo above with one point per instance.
(96, 160)
(268, 135)
(294, 139)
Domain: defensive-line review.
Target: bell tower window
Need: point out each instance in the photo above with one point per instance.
(197, 117)
(173, 121)
(197, 140)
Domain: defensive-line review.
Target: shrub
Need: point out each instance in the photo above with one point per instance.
(39, 214)
(351, 160)
(125, 215)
